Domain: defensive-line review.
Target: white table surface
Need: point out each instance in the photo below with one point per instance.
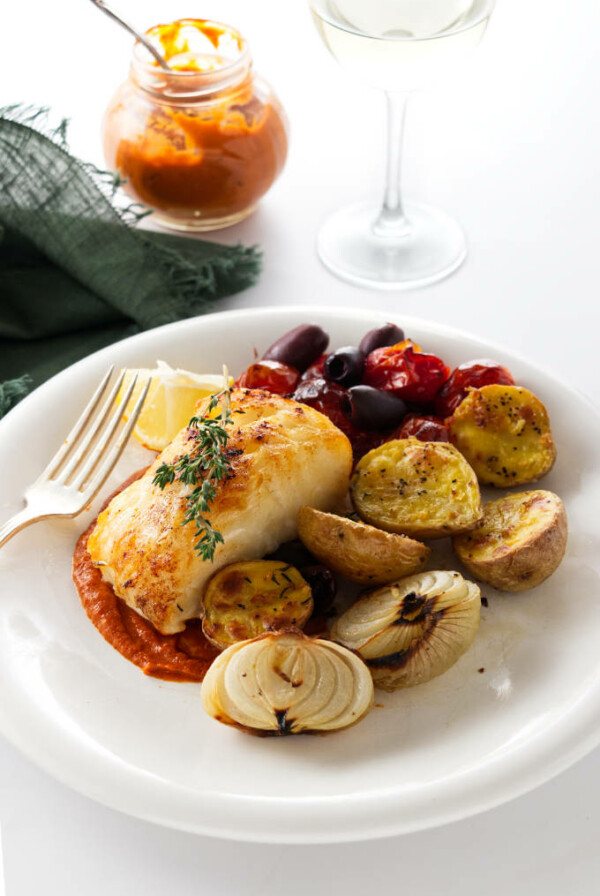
(511, 147)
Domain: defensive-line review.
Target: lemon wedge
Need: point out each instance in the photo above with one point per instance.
(171, 401)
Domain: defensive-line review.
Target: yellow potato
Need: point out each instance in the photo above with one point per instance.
(421, 489)
(520, 543)
(358, 551)
(504, 433)
(245, 600)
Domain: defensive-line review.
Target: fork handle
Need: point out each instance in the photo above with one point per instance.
(17, 522)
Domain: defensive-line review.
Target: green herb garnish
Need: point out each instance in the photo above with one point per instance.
(203, 467)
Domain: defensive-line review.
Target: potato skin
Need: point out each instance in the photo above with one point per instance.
(504, 433)
(359, 552)
(245, 600)
(420, 489)
(520, 543)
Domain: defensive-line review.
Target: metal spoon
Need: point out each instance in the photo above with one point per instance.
(141, 37)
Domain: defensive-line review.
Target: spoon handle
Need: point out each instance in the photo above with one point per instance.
(138, 36)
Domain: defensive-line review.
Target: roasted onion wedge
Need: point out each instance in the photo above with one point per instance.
(286, 683)
(413, 630)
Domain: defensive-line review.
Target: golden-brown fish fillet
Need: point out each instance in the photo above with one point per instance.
(283, 455)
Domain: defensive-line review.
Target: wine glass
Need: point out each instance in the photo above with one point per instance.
(396, 46)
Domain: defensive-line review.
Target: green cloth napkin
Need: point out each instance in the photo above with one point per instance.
(75, 273)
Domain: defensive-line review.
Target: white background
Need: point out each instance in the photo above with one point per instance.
(511, 147)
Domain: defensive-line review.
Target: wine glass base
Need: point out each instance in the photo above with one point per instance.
(432, 247)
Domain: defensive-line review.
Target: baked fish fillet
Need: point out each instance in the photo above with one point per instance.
(283, 455)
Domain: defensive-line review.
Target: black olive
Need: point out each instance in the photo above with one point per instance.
(388, 334)
(300, 347)
(370, 408)
(292, 552)
(323, 587)
(344, 366)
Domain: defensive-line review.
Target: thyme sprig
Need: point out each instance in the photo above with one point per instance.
(203, 467)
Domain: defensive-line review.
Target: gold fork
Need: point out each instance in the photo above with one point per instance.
(84, 462)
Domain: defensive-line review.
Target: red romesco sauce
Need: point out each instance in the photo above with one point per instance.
(217, 157)
(185, 656)
(220, 163)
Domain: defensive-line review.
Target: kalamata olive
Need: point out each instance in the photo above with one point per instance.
(344, 366)
(294, 553)
(388, 334)
(300, 347)
(327, 398)
(323, 587)
(369, 408)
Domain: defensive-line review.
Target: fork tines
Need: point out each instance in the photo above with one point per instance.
(94, 445)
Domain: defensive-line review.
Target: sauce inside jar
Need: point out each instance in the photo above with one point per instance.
(199, 146)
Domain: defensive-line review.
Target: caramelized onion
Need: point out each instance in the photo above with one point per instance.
(414, 629)
(286, 683)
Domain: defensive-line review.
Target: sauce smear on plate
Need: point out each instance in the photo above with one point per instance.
(185, 656)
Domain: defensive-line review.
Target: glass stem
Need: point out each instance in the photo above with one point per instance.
(391, 221)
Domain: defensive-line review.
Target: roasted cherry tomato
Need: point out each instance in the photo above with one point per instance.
(330, 399)
(427, 428)
(407, 372)
(475, 374)
(273, 376)
(325, 397)
(315, 371)
(364, 441)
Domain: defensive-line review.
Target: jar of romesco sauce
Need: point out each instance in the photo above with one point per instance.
(200, 144)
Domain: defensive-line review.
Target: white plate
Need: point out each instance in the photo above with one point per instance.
(463, 743)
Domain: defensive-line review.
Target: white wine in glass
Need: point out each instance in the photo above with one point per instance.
(396, 46)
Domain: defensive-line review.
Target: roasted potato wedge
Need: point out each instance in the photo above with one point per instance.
(245, 600)
(521, 542)
(358, 551)
(421, 489)
(504, 433)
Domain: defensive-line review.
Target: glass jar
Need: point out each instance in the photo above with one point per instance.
(202, 143)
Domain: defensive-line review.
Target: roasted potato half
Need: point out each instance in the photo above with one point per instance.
(421, 489)
(245, 600)
(358, 551)
(521, 542)
(504, 433)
